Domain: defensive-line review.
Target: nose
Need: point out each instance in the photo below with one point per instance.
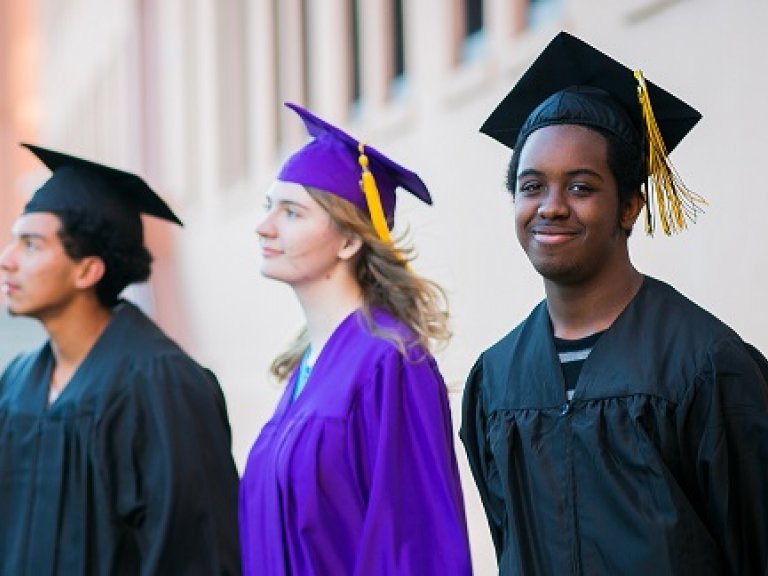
(553, 204)
(6, 258)
(265, 228)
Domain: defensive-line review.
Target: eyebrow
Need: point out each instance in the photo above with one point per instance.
(571, 173)
(29, 236)
(285, 202)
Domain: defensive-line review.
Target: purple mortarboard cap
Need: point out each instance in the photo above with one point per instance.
(100, 191)
(329, 162)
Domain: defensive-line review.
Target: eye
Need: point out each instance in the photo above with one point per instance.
(580, 189)
(291, 212)
(30, 244)
(529, 188)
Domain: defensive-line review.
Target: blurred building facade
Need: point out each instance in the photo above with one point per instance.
(189, 94)
(19, 120)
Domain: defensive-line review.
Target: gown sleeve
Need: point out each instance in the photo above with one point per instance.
(475, 437)
(726, 432)
(415, 522)
(168, 448)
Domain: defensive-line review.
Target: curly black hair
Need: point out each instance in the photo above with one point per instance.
(125, 258)
(626, 162)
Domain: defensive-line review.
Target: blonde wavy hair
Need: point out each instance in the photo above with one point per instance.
(387, 283)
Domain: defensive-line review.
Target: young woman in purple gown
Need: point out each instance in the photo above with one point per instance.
(355, 473)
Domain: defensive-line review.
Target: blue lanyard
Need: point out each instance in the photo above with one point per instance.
(301, 378)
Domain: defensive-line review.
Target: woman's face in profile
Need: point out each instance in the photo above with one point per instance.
(299, 243)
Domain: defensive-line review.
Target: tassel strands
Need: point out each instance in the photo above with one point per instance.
(675, 203)
(373, 200)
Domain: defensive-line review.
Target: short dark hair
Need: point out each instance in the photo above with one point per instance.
(626, 162)
(125, 260)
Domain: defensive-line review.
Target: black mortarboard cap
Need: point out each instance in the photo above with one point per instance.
(571, 82)
(570, 64)
(101, 191)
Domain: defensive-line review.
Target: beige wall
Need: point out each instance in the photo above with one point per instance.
(155, 89)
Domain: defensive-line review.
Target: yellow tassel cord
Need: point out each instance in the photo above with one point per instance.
(675, 203)
(373, 199)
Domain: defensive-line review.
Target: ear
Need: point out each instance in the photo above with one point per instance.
(630, 211)
(351, 245)
(90, 270)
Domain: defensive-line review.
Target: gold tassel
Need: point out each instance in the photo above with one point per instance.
(675, 203)
(373, 199)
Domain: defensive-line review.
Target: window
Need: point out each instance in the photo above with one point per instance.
(306, 45)
(473, 17)
(232, 91)
(277, 85)
(471, 27)
(397, 50)
(292, 74)
(540, 11)
(355, 78)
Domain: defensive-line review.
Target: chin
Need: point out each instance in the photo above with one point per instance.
(9, 307)
(267, 272)
(563, 274)
(15, 311)
(272, 274)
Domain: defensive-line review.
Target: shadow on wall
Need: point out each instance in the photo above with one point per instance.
(17, 335)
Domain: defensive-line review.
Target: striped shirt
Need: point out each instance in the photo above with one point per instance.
(572, 354)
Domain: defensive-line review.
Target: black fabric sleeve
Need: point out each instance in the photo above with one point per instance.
(475, 437)
(726, 430)
(176, 485)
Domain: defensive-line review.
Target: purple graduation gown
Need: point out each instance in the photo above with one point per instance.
(358, 475)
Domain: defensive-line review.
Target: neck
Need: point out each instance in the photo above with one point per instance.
(73, 332)
(580, 310)
(326, 305)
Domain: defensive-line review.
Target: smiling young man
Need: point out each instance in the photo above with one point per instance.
(620, 428)
(114, 444)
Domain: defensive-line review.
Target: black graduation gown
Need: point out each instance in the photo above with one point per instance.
(659, 464)
(128, 472)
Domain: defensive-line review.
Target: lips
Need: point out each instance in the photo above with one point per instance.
(551, 235)
(7, 288)
(269, 252)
